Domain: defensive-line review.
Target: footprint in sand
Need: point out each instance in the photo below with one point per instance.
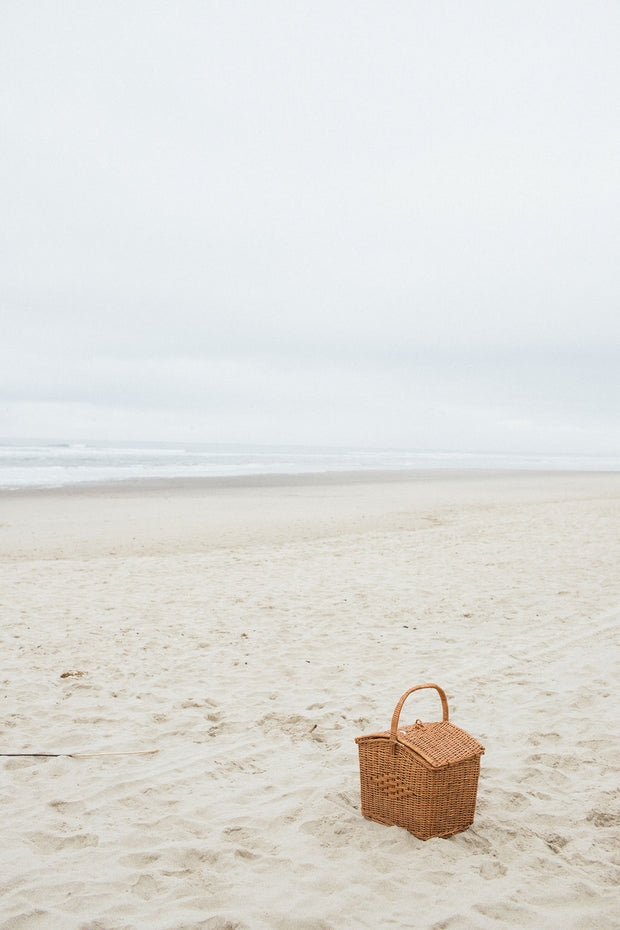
(492, 869)
(47, 843)
(145, 887)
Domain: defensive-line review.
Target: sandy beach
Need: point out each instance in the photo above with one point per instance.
(249, 630)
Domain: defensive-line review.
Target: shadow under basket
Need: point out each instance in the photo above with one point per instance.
(422, 777)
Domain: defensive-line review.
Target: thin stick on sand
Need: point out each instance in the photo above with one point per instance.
(78, 755)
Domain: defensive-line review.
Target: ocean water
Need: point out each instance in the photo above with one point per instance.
(49, 464)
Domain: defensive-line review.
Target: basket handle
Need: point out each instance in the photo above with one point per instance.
(399, 706)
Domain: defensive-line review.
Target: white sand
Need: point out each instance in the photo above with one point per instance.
(249, 633)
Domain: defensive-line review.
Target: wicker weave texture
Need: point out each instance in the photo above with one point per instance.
(440, 743)
(422, 777)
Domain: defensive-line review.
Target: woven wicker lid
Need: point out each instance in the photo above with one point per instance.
(438, 743)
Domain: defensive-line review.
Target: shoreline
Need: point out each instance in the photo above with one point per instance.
(183, 484)
(154, 517)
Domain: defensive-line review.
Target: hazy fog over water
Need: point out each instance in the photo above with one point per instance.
(346, 223)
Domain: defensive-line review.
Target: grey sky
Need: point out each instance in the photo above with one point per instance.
(343, 222)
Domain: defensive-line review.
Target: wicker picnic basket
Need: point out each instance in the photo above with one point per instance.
(422, 777)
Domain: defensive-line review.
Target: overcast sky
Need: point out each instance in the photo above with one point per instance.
(377, 223)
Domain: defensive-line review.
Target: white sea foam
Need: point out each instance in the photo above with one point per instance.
(60, 464)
